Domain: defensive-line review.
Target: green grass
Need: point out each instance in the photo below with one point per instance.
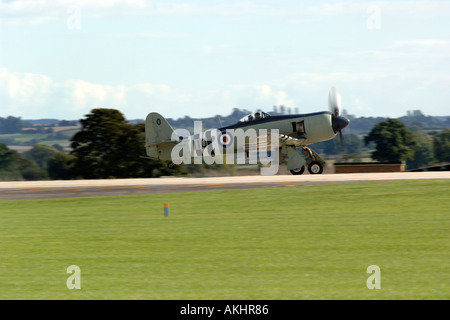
(24, 137)
(62, 139)
(312, 242)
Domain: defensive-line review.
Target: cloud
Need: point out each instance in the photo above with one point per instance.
(32, 12)
(37, 12)
(422, 43)
(252, 97)
(152, 88)
(81, 94)
(363, 94)
(20, 89)
(34, 95)
(152, 35)
(384, 93)
(38, 96)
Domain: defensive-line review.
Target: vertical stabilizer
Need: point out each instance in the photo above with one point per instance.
(158, 134)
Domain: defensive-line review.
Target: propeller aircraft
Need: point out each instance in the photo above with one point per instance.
(293, 132)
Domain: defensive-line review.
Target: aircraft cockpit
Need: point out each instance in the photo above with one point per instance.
(254, 116)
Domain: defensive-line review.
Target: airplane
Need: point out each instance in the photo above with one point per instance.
(295, 133)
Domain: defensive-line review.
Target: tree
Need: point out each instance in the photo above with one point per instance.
(11, 125)
(352, 144)
(393, 141)
(13, 166)
(423, 151)
(441, 143)
(40, 154)
(59, 166)
(107, 146)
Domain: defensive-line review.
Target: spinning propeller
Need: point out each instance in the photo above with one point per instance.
(334, 104)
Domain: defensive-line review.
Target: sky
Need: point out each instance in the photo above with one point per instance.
(62, 58)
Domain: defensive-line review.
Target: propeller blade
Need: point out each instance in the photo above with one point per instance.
(334, 101)
(341, 138)
(334, 104)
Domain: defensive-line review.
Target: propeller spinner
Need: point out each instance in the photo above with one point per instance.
(334, 104)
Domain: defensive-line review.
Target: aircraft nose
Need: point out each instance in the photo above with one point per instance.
(339, 123)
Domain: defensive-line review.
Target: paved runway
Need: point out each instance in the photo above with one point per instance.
(115, 187)
(111, 187)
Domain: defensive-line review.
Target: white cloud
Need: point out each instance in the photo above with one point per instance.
(32, 12)
(84, 95)
(152, 88)
(35, 12)
(152, 35)
(422, 43)
(33, 95)
(19, 89)
(38, 96)
(364, 94)
(252, 97)
(385, 93)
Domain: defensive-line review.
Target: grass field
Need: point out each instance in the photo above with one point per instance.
(312, 242)
(30, 139)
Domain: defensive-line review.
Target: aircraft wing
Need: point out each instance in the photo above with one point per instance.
(290, 141)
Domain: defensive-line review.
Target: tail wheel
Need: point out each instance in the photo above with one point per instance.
(171, 165)
(298, 171)
(315, 167)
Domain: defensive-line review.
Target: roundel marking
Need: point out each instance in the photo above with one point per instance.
(225, 139)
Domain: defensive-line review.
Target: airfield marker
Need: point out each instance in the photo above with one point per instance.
(166, 209)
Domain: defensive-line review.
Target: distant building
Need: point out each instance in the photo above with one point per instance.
(414, 113)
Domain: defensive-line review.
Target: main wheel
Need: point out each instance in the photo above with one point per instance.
(298, 171)
(315, 167)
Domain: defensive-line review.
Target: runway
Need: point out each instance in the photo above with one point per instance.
(116, 187)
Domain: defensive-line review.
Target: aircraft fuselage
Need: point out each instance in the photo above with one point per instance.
(309, 128)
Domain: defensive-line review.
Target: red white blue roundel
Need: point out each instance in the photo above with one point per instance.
(225, 139)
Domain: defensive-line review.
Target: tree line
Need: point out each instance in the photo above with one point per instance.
(10, 125)
(109, 146)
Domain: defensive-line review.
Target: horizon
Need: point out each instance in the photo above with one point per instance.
(221, 115)
(60, 59)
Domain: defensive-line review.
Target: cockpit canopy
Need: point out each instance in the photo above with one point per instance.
(254, 116)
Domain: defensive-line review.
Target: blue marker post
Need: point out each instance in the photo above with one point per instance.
(166, 209)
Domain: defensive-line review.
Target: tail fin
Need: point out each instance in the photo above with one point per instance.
(158, 134)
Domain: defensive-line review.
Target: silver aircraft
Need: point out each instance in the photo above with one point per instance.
(295, 133)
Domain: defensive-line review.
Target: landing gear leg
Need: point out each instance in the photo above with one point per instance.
(296, 162)
(316, 163)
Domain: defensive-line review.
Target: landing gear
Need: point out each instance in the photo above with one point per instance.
(297, 163)
(171, 165)
(298, 171)
(315, 167)
(316, 163)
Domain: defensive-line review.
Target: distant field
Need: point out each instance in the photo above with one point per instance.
(310, 242)
(61, 136)
(23, 137)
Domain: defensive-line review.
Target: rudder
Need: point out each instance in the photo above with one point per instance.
(158, 137)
